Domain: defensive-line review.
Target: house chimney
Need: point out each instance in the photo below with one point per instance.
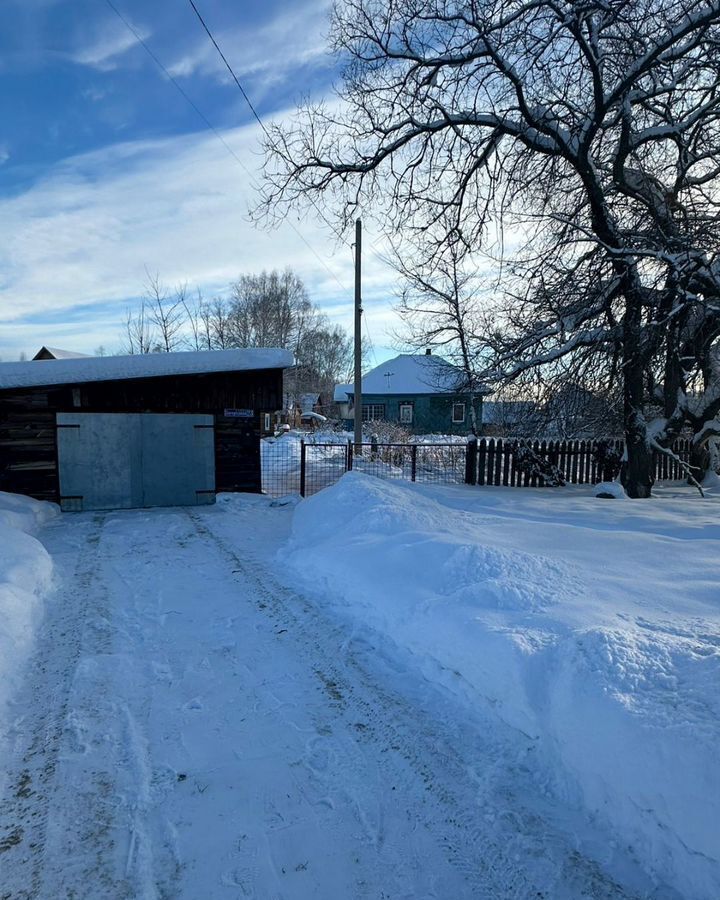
(428, 352)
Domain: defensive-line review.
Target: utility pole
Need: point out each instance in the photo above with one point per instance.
(357, 387)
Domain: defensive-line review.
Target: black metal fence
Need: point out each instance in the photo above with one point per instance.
(306, 467)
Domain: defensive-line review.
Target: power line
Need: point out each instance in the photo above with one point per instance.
(378, 255)
(228, 67)
(209, 33)
(217, 134)
(157, 62)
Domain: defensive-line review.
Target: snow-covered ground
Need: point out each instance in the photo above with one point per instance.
(383, 691)
(590, 626)
(25, 579)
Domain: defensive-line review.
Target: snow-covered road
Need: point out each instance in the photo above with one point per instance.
(191, 728)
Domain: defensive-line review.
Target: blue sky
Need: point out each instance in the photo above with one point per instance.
(106, 170)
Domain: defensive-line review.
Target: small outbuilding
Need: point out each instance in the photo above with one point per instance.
(147, 430)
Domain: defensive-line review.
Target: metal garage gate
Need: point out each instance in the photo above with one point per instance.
(123, 461)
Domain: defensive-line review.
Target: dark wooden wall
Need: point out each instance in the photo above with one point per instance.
(28, 448)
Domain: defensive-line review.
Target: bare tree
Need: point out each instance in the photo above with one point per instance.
(139, 334)
(271, 309)
(440, 307)
(166, 312)
(593, 127)
(193, 307)
(324, 356)
(218, 325)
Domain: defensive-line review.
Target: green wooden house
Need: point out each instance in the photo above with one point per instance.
(419, 392)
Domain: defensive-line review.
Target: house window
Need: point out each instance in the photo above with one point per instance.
(373, 412)
(458, 413)
(406, 413)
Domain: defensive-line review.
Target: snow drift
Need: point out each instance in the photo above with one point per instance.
(25, 575)
(592, 627)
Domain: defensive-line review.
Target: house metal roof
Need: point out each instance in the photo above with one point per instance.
(412, 374)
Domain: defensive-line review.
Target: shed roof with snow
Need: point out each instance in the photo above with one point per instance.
(83, 370)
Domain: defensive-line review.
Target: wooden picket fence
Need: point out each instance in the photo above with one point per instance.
(503, 462)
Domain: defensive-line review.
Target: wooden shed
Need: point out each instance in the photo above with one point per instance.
(231, 392)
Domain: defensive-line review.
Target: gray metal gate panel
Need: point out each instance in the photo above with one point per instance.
(178, 460)
(121, 461)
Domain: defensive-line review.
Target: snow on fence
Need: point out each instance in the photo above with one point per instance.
(306, 467)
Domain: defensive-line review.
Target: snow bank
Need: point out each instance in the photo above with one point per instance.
(610, 489)
(593, 628)
(25, 575)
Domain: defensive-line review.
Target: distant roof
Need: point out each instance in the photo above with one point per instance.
(412, 374)
(55, 353)
(341, 392)
(146, 365)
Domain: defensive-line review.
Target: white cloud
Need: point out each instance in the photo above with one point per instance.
(4, 154)
(111, 41)
(293, 38)
(85, 233)
(94, 93)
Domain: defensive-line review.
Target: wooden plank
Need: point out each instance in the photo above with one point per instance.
(562, 459)
(533, 475)
(594, 464)
(498, 462)
(573, 451)
(544, 453)
(526, 473)
(491, 461)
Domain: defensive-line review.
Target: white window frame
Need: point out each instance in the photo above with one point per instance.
(404, 407)
(455, 420)
(370, 412)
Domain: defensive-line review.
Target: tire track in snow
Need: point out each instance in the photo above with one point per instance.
(38, 735)
(371, 723)
(507, 851)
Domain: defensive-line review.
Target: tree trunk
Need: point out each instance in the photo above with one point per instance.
(637, 471)
(699, 461)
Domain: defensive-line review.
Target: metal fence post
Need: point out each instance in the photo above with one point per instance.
(413, 462)
(471, 453)
(302, 468)
(350, 456)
